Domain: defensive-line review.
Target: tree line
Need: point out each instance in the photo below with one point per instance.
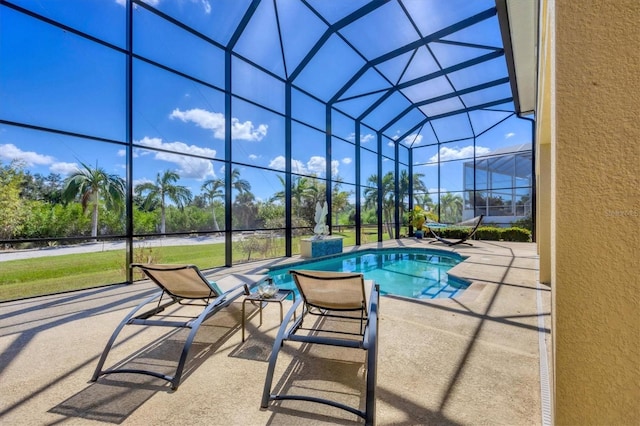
(90, 202)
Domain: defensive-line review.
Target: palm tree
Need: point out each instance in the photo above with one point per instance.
(370, 194)
(451, 207)
(304, 195)
(245, 210)
(387, 203)
(93, 185)
(162, 189)
(303, 188)
(424, 199)
(241, 185)
(420, 195)
(339, 201)
(280, 195)
(213, 190)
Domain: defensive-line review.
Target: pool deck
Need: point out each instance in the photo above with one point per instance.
(465, 361)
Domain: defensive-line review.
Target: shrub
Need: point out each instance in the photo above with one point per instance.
(526, 223)
(516, 234)
(452, 233)
(490, 233)
(142, 254)
(417, 217)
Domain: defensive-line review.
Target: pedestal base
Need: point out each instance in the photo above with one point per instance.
(310, 248)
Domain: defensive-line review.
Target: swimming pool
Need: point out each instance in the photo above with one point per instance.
(415, 273)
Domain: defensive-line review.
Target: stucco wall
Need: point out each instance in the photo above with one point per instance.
(596, 213)
(545, 132)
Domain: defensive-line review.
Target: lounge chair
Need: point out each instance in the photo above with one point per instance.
(332, 294)
(182, 285)
(470, 225)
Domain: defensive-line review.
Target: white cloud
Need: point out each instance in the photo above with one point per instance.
(177, 147)
(412, 139)
(215, 121)
(298, 166)
(509, 135)
(206, 5)
(278, 163)
(123, 153)
(10, 152)
(253, 156)
(367, 138)
(315, 166)
(334, 167)
(318, 165)
(363, 138)
(246, 131)
(202, 118)
(188, 167)
(447, 153)
(64, 168)
(346, 160)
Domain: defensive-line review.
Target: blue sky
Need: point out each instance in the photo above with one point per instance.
(55, 79)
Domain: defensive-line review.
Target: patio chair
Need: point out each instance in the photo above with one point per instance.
(346, 296)
(470, 225)
(180, 285)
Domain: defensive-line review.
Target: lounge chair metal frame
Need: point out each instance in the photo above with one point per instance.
(435, 225)
(213, 302)
(368, 338)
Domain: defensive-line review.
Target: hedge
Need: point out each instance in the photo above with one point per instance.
(489, 233)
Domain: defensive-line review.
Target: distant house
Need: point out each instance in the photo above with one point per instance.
(503, 185)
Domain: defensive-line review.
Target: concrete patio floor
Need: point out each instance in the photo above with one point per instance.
(467, 361)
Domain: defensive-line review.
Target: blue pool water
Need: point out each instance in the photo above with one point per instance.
(415, 273)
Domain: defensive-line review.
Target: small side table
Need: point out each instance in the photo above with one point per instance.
(254, 298)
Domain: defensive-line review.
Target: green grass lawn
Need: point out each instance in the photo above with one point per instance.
(54, 274)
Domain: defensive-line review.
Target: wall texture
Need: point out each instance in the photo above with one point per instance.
(545, 132)
(595, 212)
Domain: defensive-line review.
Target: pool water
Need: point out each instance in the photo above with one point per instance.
(420, 274)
